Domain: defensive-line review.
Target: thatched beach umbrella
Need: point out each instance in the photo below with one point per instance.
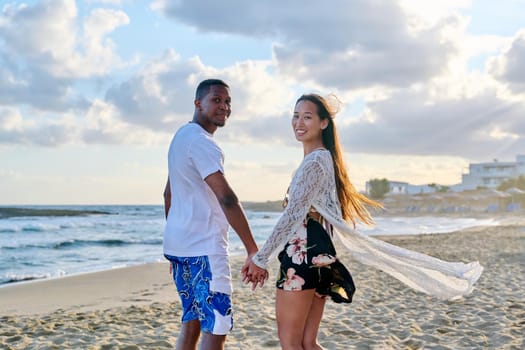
(500, 197)
(514, 190)
(518, 196)
(497, 194)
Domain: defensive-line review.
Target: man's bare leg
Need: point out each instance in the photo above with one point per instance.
(212, 341)
(189, 335)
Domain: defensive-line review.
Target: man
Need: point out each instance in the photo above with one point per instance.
(199, 206)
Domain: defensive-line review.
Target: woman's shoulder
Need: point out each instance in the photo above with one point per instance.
(319, 158)
(319, 155)
(319, 152)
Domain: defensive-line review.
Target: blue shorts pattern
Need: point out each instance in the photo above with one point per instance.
(192, 277)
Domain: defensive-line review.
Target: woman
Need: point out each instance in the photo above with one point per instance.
(321, 191)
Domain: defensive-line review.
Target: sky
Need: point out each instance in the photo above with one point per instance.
(92, 91)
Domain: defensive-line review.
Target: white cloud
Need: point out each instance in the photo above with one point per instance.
(40, 32)
(18, 129)
(509, 67)
(47, 36)
(99, 52)
(105, 2)
(426, 13)
(349, 44)
(44, 50)
(11, 123)
(413, 80)
(411, 123)
(161, 95)
(103, 126)
(422, 96)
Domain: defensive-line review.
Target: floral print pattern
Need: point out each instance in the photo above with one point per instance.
(301, 262)
(297, 250)
(293, 281)
(296, 247)
(308, 261)
(192, 276)
(323, 260)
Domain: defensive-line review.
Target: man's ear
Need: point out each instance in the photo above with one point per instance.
(197, 103)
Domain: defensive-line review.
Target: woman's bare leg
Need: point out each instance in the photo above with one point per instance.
(292, 309)
(313, 321)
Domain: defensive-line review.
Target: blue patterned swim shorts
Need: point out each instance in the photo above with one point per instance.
(193, 278)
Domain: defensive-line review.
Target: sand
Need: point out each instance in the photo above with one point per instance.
(138, 308)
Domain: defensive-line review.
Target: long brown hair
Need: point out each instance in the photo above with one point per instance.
(353, 203)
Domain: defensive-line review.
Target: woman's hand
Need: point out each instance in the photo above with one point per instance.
(253, 274)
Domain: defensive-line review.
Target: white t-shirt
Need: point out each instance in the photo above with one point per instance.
(196, 224)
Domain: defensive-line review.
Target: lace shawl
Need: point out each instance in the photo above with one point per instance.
(314, 185)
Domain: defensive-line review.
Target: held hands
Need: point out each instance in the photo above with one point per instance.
(253, 274)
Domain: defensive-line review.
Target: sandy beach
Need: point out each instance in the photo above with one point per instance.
(138, 308)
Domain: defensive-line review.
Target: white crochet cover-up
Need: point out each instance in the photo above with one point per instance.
(313, 185)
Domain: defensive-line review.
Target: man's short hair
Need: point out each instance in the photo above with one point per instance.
(204, 87)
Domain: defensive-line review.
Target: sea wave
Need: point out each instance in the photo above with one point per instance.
(26, 277)
(104, 242)
(79, 243)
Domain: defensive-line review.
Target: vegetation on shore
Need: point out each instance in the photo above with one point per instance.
(263, 206)
(6, 212)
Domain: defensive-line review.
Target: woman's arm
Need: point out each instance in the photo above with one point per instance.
(305, 187)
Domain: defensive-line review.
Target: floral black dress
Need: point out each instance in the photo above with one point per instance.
(308, 261)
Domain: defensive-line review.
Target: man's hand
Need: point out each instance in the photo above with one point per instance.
(253, 274)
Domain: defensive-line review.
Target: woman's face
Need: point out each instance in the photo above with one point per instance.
(306, 123)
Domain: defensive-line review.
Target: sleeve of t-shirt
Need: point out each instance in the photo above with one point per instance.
(207, 157)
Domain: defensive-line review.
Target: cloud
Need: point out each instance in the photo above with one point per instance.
(158, 95)
(509, 67)
(108, 2)
(161, 95)
(103, 126)
(269, 130)
(47, 35)
(347, 45)
(461, 115)
(100, 125)
(45, 50)
(411, 123)
(36, 88)
(363, 49)
(15, 129)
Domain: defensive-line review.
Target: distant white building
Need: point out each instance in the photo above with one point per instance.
(416, 189)
(491, 175)
(398, 187)
(487, 175)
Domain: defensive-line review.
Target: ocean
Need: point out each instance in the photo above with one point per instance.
(48, 241)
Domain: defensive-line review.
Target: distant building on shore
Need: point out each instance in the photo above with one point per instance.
(398, 187)
(491, 175)
(481, 175)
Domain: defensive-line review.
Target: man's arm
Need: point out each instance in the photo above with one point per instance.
(232, 209)
(167, 198)
(237, 219)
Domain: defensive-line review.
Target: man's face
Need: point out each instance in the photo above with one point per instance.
(215, 107)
